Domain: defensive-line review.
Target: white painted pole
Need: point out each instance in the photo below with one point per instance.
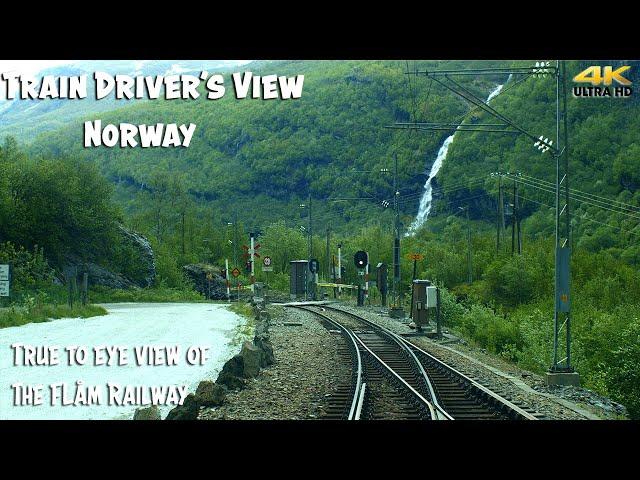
(339, 268)
(226, 277)
(366, 283)
(251, 257)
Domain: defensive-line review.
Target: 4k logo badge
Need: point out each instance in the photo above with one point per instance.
(601, 80)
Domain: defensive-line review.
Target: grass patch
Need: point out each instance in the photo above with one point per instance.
(150, 295)
(16, 316)
(244, 331)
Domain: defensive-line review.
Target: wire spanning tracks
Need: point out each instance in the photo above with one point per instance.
(453, 395)
(387, 379)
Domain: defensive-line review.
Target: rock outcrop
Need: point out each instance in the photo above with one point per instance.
(207, 280)
(97, 275)
(145, 259)
(141, 267)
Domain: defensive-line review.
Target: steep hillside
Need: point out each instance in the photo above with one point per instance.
(263, 157)
(24, 119)
(604, 164)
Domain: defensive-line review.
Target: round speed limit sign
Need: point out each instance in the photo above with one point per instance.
(266, 261)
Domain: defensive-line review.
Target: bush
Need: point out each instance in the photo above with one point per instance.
(29, 271)
(516, 280)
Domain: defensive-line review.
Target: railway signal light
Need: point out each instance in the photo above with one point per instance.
(314, 265)
(361, 259)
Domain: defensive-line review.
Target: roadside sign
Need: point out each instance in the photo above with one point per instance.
(235, 272)
(416, 256)
(266, 264)
(4, 280)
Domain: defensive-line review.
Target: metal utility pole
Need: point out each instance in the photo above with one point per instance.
(501, 207)
(516, 208)
(498, 215)
(562, 316)
(327, 274)
(235, 239)
(470, 278)
(469, 264)
(514, 214)
(307, 272)
(340, 268)
(396, 240)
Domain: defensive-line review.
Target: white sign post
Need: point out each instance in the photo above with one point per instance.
(4, 280)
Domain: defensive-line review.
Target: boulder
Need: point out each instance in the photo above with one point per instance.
(262, 328)
(148, 413)
(230, 381)
(263, 343)
(252, 358)
(210, 394)
(187, 411)
(231, 374)
(214, 288)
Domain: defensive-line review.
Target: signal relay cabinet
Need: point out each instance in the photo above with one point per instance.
(298, 275)
(425, 300)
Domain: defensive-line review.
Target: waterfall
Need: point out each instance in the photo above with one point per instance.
(427, 196)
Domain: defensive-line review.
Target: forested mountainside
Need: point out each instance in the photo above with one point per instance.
(332, 144)
(604, 143)
(247, 152)
(26, 118)
(260, 160)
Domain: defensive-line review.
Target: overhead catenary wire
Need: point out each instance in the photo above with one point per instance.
(584, 216)
(574, 196)
(587, 194)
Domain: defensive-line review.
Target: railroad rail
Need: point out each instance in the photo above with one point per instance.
(423, 385)
(387, 379)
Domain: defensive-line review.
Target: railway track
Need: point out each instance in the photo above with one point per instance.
(393, 378)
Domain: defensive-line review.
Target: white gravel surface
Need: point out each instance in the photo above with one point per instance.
(127, 324)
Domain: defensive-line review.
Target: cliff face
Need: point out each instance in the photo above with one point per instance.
(146, 271)
(141, 271)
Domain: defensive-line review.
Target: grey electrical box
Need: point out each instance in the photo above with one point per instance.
(432, 296)
(419, 305)
(298, 275)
